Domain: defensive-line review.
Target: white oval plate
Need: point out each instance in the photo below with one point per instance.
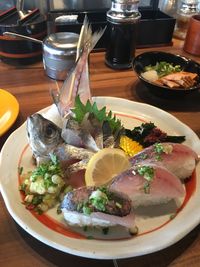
(131, 114)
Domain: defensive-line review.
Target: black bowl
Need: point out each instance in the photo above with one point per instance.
(18, 51)
(151, 58)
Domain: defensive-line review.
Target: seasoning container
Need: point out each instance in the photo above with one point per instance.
(17, 51)
(192, 39)
(59, 51)
(122, 21)
(188, 8)
(59, 54)
(169, 7)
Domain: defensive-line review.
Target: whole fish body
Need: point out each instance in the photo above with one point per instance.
(44, 136)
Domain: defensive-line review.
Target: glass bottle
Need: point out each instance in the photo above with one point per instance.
(122, 20)
(187, 9)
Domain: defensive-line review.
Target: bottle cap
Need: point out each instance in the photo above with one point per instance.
(124, 11)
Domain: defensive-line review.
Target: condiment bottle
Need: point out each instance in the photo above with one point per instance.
(169, 7)
(122, 20)
(187, 9)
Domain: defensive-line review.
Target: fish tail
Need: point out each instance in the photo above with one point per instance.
(77, 81)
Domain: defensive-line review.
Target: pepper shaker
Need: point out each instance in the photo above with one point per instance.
(122, 21)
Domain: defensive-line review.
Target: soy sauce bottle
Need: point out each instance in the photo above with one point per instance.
(122, 22)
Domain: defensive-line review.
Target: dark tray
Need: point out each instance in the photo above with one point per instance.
(155, 27)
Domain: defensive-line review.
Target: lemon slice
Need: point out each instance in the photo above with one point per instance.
(104, 165)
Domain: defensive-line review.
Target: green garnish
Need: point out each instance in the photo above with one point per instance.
(59, 210)
(22, 187)
(90, 237)
(148, 174)
(158, 157)
(80, 110)
(85, 228)
(20, 170)
(144, 156)
(46, 171)
(87, 210)
(146, 187)
(37, 199)
(164, 68)
(105, 230)
(97, 201)
(80, 206)
(99, 204)
(158, 148)
(43, 187)
(172, 216)
(54, 159)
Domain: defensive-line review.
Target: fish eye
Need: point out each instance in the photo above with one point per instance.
(49, 130)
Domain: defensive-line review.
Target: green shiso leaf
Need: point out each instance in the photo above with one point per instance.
(80, 110)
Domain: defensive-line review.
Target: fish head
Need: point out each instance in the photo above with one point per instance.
(44, 136)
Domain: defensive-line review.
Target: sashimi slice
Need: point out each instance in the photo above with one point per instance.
(97, 206)
(142, 190)
(177, 158)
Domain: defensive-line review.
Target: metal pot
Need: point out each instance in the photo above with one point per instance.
(59, 52)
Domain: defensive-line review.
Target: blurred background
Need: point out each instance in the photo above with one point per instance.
(45, 5)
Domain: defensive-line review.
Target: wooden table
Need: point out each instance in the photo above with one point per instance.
(31, 86)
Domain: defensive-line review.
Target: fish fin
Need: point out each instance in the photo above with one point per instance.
(77, 81)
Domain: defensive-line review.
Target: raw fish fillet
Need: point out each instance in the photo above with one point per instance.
(116, 209)
(162, 187)
(177, 158)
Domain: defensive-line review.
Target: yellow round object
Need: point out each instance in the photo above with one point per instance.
(9, 109)
(104, 165)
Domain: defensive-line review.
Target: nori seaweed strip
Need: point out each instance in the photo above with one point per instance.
(175, 139)
(148, 134)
